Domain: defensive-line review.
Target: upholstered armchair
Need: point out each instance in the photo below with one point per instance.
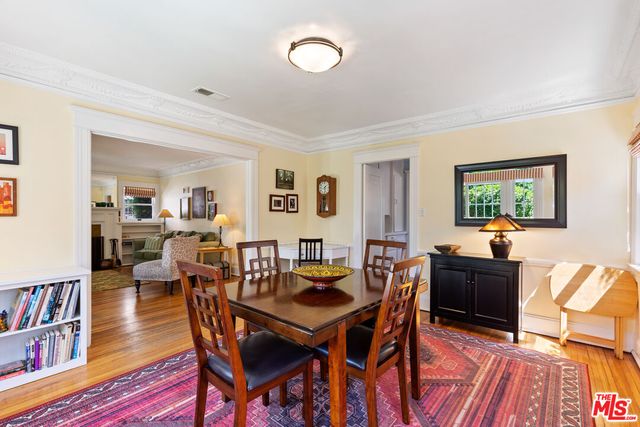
(165, 269)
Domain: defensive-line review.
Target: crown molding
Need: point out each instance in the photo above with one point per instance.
(619, 83)
(197, 166)
(41, 70)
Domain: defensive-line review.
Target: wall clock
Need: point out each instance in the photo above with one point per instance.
(326, 196)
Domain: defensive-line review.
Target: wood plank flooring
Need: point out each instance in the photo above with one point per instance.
(132, 330)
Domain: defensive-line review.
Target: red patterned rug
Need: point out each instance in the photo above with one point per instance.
(467, 381)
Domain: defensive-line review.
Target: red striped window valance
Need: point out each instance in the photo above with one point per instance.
(139, 191)
(634, 142)
(503, 175)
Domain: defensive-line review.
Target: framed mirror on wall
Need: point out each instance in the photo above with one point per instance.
(533, 191)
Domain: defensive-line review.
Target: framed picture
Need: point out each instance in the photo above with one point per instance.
(198, 203)
(210, 196)
(9, 144)
(276, 203)
(212, 211)
(292, 203)
(284, 179)
(8, 197)
(185, 208)
(186, 190)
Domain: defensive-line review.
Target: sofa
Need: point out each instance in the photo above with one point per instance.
(151, 249)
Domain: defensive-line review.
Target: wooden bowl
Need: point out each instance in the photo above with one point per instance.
(447, 248)
(323, 276)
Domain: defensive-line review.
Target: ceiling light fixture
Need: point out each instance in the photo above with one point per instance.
(315, 54)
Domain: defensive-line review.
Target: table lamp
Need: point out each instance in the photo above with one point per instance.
(164, 214)
(221, 220)
(501, 225)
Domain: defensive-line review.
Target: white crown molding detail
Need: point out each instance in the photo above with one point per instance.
(35, 68)
(621, 82)
(197, 166)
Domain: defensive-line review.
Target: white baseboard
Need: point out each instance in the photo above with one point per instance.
(636, 357)
(550, 326)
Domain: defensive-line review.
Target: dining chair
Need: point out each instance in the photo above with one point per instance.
(241, 369)
(390, 250)
(309, 251)
(372, 352)
(263, 265)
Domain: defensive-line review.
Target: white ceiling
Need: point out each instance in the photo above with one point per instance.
(119, 156)
(422, 65)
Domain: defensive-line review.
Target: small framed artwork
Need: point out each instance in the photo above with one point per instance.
(198, 203)
(210, 196)
(276, 203)
(186, 190)
(284, 179)
(212, 211)
(9, 144)
(292, 203)
(8, 197)
(185, 208)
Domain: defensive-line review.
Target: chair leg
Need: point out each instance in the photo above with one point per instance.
(402, 381)
(169, 285)
(283, 394)
(137, 283)
(201, 399)
(225, 398)
(307, 390)
(240, 413)
(245, 329)
(323, 370)
(265, 399)
(372, 404)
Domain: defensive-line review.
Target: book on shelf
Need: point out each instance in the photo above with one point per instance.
(43, 304)
(46, 350)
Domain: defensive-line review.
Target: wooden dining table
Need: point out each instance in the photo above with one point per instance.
(290, 306)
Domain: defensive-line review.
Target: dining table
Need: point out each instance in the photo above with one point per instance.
(291, 306)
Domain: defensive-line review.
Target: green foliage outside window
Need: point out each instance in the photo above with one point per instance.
(483, 199)
(524, 199)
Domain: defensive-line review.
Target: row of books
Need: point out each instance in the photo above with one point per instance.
(49, 349)
(44, 304)
(53, 347)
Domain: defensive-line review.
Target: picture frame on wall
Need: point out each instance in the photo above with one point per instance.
(198, 202)
(8, 197)
(212, 211)
(9, 145)
(276, 203)
(284, 179)
(210, 196)
(185, 208)
(186, 190)
(292, 203)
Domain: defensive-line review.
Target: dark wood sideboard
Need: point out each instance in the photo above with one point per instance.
(476, 289)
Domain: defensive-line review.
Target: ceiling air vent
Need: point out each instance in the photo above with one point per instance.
(210, 93)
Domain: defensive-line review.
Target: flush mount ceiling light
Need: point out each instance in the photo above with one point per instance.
(315, 54)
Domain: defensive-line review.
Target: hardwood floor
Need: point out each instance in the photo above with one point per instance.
(132, 330)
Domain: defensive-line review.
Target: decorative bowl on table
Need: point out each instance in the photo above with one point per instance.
(447, 248)
(323, 276)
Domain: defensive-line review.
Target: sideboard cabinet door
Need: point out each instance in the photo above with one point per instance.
(492, 296)
(451, 284)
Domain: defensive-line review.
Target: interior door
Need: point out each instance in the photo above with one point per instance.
(373, 194)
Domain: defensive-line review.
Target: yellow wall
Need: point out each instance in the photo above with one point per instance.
(41, 236)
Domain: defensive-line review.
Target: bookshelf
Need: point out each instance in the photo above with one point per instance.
(13, 342)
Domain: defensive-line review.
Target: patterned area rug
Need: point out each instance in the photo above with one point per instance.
(103, 280)
(466, 381)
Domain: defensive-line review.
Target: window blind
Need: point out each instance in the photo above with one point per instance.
(503, 175)
(139, 192)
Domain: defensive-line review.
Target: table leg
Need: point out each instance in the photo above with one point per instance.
(619, 337)
(201, 257)
(290, 264)
(564, 321)
(338, 377)
(414, 352)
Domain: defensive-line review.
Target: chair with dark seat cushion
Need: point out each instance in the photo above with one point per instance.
(372, 352)
(309, 251)
(241, 369)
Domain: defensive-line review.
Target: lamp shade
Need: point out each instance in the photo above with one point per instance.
(504, 223)
(221, 220)
(164, 213)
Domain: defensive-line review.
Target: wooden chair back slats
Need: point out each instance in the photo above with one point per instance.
(391, 252)
(310, 251)
(398, 305)
(261, 266)
(211, 312)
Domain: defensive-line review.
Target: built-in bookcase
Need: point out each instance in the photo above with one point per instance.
(13, 343)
